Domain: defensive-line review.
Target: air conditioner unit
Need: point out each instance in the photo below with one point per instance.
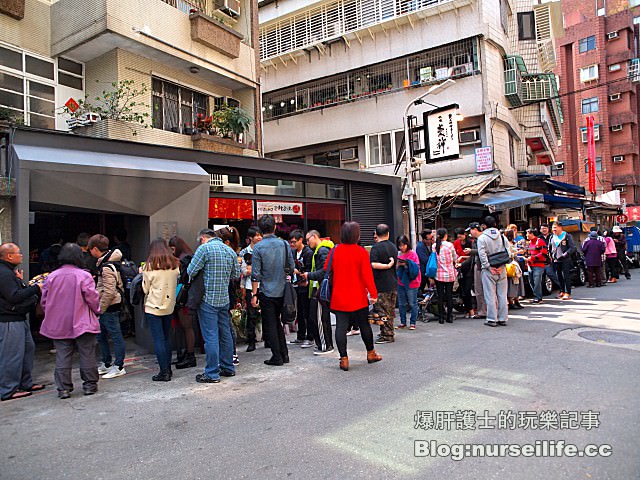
(616, 128)
(614, 97)
(347, 154)
(612, 35)
(601, 12)
(469, 136)
(618, 158)
(463, 69)
(589, 74)
(230, 7)
(216, 180)
(620, 188)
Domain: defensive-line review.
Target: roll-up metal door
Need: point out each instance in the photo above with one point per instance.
(370, 206)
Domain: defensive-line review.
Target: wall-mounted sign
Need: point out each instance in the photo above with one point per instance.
(484, 160)
(279, 208)
(441, 127)
(166, 230)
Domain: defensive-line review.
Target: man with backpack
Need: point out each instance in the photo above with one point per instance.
(111, 289)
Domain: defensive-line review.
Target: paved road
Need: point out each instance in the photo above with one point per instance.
(311, 420)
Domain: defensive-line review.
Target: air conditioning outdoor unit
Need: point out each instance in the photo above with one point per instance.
(463, 69)
(620, 188)
(230, 7)
(616, 128)
(618, 158)
(347, 154)
(614, 97)
(612, 35)
(469, 136)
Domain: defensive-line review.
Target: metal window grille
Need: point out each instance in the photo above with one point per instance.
(333, 20)
(175, 107)
(633, 70)
(187, 5)
(454, 60)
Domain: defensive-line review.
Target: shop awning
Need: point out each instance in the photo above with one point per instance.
(565, 202)
(566, 187)
(105, 181)
(454, 186)
(499, 201)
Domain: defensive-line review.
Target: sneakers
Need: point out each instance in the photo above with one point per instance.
(102, 369)
(203, 378)
(236, 360)
(353, 332)
(308, 343)
(537, 301)
(402, 325)
(115, 371)
(381, 340)
(295, 342)
(323, 352)
(566, 297)
(412, 327)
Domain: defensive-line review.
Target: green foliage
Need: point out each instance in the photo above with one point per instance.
(119, 103)
(10, 115)
(230, 121)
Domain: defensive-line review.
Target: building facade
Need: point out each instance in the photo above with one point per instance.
(600, 69)
(337, 76)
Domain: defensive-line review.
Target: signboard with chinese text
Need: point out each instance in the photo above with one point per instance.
(279, 208)
(484, 160)
(591, 154)
(441, 127)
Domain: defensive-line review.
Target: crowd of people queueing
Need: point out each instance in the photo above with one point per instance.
(83, 297)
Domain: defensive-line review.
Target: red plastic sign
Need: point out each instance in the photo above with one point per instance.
(72, 105)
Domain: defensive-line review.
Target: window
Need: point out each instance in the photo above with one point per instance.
(598, 164)
(596, 133)
(589, 105)
(379, 151)
(615, 67)
(504, 15)
(601, 8)
(589, 73)
(70, 74)
(587, 44)
(618, 158)
(636, 20)
(327, 159)
(614, 97)
(175, 107)
(557, 170)
(273, 186)
(616, 128)
(634, 3)
(526, 26)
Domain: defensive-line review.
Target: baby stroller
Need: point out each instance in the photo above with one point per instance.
(428, 304)
(376, 316)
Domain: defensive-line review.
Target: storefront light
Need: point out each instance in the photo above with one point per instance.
(292, 101)
(281, 104)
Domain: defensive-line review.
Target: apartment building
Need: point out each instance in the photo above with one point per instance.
(337, 76)
(600, 68)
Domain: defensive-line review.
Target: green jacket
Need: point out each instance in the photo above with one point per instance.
(317, 264)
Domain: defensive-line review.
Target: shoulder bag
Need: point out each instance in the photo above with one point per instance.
(501, 258)
(327, 282)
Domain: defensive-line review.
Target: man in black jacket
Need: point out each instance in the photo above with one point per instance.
(16, 344)
(319, 315)
(562, 248)
(303, 259)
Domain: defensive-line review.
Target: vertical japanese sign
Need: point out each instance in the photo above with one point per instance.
(441, 127)
(591, 154)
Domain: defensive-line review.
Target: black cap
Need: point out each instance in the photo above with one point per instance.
(472, 225)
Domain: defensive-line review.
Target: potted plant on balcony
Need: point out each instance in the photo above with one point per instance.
(221, 131)
(115, 107)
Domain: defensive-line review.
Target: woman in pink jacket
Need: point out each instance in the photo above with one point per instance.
(71, 306)
(408, 272)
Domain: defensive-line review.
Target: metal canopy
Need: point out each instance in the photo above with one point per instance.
(508, 199)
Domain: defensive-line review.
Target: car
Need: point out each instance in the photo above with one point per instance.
(578, 275)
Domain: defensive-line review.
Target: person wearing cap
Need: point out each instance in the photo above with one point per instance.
(593, 250)
(475, 230)
(621, 249)
(562, 249)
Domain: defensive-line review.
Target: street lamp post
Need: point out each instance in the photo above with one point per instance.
(408, 166)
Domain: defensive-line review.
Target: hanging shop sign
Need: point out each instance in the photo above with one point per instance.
(441, 127)
(279, 208)
(484, 160)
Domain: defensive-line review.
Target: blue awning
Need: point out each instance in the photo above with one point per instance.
(509, 199)
(563, 201)
(566, 187)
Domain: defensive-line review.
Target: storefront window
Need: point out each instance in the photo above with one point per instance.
(289, 216)
(231, 183)
(327, 218)
(234, 212)
(272, 186)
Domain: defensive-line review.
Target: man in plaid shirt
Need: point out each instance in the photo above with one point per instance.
(219, 264)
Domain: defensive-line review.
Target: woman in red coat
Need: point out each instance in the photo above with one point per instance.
(352, 279)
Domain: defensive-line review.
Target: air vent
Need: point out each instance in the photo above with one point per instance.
(616, 128)
(618, 158)
(612, 35)
(614, 97)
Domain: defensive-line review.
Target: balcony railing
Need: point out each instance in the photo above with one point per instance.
(187, 5)
(633, 70)
(514, 68)
(455, 60)
(333, 20)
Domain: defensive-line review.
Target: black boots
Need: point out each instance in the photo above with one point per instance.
(181, 353)
(162, 377)
(251, 347)
(188, 361)
(450, 316)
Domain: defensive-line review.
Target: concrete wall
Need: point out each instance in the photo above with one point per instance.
(32, 32)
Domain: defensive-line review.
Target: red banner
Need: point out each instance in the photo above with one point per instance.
(591, 155)
(230, 209)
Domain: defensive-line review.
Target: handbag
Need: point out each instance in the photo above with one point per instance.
(290, 301)
(511, 269)
(432, 266)
(499, 259)
(327, 282)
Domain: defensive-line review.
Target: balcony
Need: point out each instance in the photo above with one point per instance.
(633, 70)
(162, 32)
(315, 27)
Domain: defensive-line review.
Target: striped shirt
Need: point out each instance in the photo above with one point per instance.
(219, 264)
(446, 259)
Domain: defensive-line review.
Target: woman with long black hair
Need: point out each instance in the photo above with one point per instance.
(184, 325)
(446, 274)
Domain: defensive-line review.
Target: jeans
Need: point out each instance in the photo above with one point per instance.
(407, 300)
(563, 269)
(160, 327)
(535, 278)
(495, 294)
(551, 273)
(218, 344)
(110, 327)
